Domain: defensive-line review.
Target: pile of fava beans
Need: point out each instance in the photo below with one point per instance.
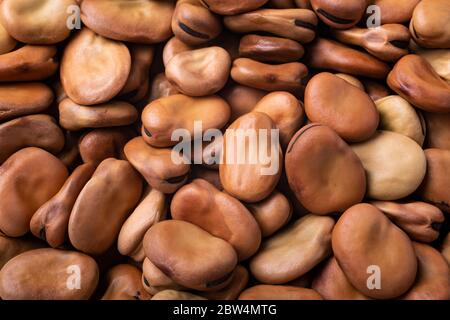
(354, 202)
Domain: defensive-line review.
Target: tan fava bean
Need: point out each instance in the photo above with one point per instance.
(50, 221)
(7, 43)
(194, 24)
(351, 79)
(388, 42)
(294, 24)
(104, 198)
(245, 175)
(232, 7)
(414, 79)
(100, 144)
(420, 220)
(199, 72)
(36, 21)
(154, 280)
(438, 133)
(270, 49)
(396, 11)
(430, 24)
(293, 251)
(220, 214)
(49, 270)
(340, 15)
(94, 69)
(242, 99)
(151, 210)
(141, 60)
(156, 165)
(26, 171)
(159, 121)
(439, 59)
(397, 115)
(173, 295)
(445, 248)
(15, 99)
(175, 46)
(73, 116)
(271, 292)
(232, 291)
(140, 21)
(391, 175)
(282, 77)
(189, 255)
(285, 111)
(123, 282)
(11, 247)
(271, 213)
(364, 240)
(161, 87)
(433, 275)
(28, 63)
(332, 284)
(346, 109)
(329, 54)
(320, 165)
(436, 185)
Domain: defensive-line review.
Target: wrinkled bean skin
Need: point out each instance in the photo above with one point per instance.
(271, 292)
(50, 221)
(124, 283)
(20, 176)
(223, 216)
(103, 198)
(364, 236)
(48, 269)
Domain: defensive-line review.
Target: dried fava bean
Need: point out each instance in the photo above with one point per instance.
(28, 63)
(414, 79)
(175, 46)
(141, 60)
(293, 251)
(152, 209)
(272, 213)
(436, 185)
(36, 21)
(156, 165)
(37, 130)
(420, 220)
(15, 99)
(388, 42)
(189, 255)
(173, 295)
(73, 116)
(376, 90)
(438, 133)
(159, 122)
(430, 24)
(439, 60)
(242, 99)
(340, 15)
(363, 238)
(104, 198)
(212, 176)
(123, 282)
(391, 175)
(50, 221)
(231, 7)
(100, 144)
(161, 87)
(232, 291)
(7, 43)
(154, 280)
(332, 284)
(140, 21)
(445, 248)
(285, 111)
(329, 54)
(25, 172)
(351, 79)
(270, 49)
(246, 172)
(433, 275)
(49, 270)
(346, 109)
(199, 72)
(271, 292)
(282, 77)
(294, 24)
(94, 69)
(194, 24)
(220, 214)
(397, 115)
(11, 247)
(320, 165)
(396, 11)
